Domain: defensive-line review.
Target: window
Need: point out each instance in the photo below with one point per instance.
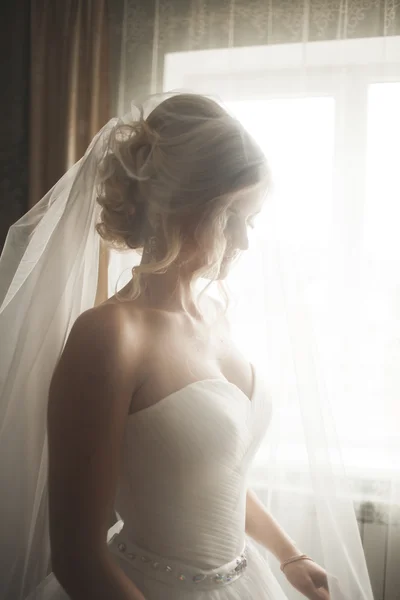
(327, 115)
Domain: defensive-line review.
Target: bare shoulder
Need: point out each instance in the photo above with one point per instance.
(107, 330)
(102, 349)
(108, 322)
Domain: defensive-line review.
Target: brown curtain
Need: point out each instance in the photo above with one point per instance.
(14, 74)
(69, 91)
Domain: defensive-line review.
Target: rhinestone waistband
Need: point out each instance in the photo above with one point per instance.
(174, 572)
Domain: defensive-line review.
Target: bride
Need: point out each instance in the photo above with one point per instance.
(152, 409)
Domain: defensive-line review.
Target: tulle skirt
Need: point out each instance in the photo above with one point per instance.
(159, 578)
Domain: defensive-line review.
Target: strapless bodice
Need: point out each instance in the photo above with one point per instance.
(183, 477)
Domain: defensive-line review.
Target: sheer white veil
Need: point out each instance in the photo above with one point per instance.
(48, 276)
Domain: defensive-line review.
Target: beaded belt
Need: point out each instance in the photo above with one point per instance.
(174, 572)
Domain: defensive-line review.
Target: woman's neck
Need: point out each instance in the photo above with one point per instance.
(169, 291)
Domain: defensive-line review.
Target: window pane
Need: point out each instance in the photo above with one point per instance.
(382, 215)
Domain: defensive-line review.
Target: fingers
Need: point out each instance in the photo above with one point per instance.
(336, 591)
(311, 592)
(322, 594)
(317, 593)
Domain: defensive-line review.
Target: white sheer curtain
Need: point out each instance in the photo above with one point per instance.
(316, 293)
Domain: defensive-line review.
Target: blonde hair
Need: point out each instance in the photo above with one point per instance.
(173, 175)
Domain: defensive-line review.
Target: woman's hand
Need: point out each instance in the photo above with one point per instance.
(308, 578)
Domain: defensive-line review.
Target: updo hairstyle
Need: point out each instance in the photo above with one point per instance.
(173, 175)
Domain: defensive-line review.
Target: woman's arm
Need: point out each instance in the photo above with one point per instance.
(263, 528)
(89, 400)
(305, 576)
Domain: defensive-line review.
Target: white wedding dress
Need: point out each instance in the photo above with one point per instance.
(182, 497)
